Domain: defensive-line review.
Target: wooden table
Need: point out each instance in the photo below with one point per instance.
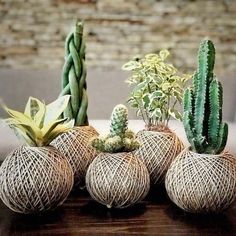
(80, 215)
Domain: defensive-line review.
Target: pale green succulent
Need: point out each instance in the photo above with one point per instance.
(39, 124)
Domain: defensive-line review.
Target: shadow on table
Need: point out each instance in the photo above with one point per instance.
(94, 209)
(158, 195)
(11, 222)
(220, 224)
(91, 208)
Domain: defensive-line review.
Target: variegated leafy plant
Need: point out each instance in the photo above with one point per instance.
(39, 124)
(157, 87)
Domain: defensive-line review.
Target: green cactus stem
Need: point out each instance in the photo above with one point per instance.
(120, 139)
(74, 77)
(203, 102)
(119, 121)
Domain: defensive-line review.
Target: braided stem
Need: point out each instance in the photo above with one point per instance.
(74, 77)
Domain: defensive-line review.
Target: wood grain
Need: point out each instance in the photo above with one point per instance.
(80, 215)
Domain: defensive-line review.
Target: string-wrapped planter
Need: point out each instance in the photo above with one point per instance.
(157, 88)
(36, 177)
(202, 183)
(157, 150)
(74, 144)
(202, 178)
(116, 177)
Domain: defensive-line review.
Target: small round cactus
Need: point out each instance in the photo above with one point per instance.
(120, 139)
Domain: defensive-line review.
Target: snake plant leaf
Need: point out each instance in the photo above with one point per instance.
(23, 137)
(22, 129)
(50, 126)
(39, 116)
(22, 119)
(60, 128)
(32, 107)
(55, 109)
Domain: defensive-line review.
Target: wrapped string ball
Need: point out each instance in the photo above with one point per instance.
(157, 150)
(201, 183)
(116, 177)
(202, 178)
(36, 177)
(74, 144)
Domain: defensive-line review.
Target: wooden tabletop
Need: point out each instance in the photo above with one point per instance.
(80, 215)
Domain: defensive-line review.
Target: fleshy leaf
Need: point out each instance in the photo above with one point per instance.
(21, 118)
(32, 107)
(61, 128)
(55, 109)
(175, 114)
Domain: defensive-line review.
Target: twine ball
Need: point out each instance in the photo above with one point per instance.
(35, 179)
(157, 150)
(74, 145)
(202, 183)
(117, 179)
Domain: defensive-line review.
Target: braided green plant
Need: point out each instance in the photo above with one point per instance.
(120, 139)
(74, 77)
(74, 144)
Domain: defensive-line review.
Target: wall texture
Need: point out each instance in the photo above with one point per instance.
(32, 32)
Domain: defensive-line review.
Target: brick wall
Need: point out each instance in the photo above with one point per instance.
(32, 32)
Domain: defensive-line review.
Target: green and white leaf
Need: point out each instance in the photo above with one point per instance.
(175, 114)
(55, 109)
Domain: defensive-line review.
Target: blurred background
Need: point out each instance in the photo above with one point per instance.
(33, 32)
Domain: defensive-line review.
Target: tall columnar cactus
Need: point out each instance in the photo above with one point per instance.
(74, 77)
(120, 138)
(203, 106)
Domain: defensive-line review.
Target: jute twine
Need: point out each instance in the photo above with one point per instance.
(202, 183)
(74, 145)
(157, 151)
(35, 179)
(117, 179)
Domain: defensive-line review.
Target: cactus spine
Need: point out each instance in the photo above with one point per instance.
(120, 139)
(203, 106)
(74, 77)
